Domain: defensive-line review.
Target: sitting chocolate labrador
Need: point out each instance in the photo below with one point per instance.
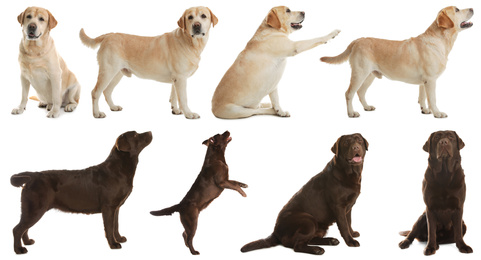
(99, 189)
(211, 181)
(444, 191)
(327, 198)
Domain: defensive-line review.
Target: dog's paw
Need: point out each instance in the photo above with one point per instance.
(282, 113)
(115, 246)
(353, 243)
(176, 111)
(192, 116)
(465, 249)
(18, 111)
(354, 114)
(369, 108)
(116, 108)
(242, 185)
(440, 115)
(70, 107)
(99, 115)
(21, 250)
(355, 234)
(53, 114)
(334, 33)
(404, 244)
(121, 239)
(429, 251)
(29, 242)
(425, 110)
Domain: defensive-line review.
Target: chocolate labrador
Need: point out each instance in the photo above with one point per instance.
(327, 198)
(444, 192)
(99, 189)
(211, 181)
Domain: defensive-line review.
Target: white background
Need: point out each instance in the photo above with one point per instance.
(274, 156)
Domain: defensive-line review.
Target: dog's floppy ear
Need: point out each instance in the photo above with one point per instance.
(460, 142)
(443, 20)
(366, 144)
(208, 142)
(213, 18)
(181, 21)
(122, 144)
(20, 17)
(335, 147)
(427, 145)
(273, 20)
(52, 22)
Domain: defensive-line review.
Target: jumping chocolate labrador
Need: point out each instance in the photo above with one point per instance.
(211, 181)
(444, 192)
(327, 198)
(99, 189)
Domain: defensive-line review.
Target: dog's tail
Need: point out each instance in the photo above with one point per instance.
(341, 57)
(261, 243)
(166, 212)
(18, 180)
(89, 42)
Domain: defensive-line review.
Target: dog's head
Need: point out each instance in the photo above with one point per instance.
(196, 21)
(132, 142)
(283, 19)
(351, 149)
(218, 141)
(443, 145)
(453, 18)
(36, 22)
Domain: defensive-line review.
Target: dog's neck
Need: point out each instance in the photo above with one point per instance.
(198, 43)
(38, 47)
(445, 166)
(125, 161)
(434, 33)
(214, 154)
(351, 172)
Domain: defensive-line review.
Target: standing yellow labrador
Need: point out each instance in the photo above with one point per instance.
(171, 58)
(42, 67)
(419, 60)
(259, 67)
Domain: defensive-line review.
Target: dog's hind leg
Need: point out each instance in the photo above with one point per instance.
(110, 88)
(189, 218)
(362, 92)
(358, 76)
(31, 214)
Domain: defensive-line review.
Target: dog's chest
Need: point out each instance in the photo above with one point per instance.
(36, 73)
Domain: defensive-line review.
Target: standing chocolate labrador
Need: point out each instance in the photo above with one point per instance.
(444, 192)
(327, 198)
(99, 189)
(211, 181)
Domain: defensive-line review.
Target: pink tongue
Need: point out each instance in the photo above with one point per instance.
(357, 159)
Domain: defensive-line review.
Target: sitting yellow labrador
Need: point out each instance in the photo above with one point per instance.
(419, 60)
(171, 58)
(259, 67)
(42, 67)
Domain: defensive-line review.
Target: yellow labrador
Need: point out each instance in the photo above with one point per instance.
(419, 60)
(171, 58)
(259, 67)
(42, 67)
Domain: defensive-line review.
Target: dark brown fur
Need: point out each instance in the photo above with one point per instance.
(211, 181)
(327, 198)
(99, 189)
(444, 192)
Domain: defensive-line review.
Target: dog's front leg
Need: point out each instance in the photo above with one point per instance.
(23, 103)
(234, 185)
(117, 236)
(108, 215)
(458, 232)
(432, 245)
(56, 88)
(301, 46)
(430, 88)
(274, 96)
(344, 227)
(353, 233)
(181, 89)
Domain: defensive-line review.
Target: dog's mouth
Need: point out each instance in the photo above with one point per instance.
(297, 26)
(200, 34)
(229, 139)
(32, 36)
(466, 24)
(356, 159)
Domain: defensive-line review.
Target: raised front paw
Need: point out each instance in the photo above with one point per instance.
(334, 33)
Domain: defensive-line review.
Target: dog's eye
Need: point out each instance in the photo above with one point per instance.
(190, 17)
(288, 10)
(29, 17)
(41, 19)
(457, 10)
(203, 16)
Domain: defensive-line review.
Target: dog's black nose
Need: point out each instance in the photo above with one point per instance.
(32, 26)
(196, 25)
(444, 142)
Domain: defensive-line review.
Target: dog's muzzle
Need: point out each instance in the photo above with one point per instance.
(197, 29)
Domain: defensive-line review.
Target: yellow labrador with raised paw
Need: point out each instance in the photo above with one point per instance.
(42, 67)
(171, 58)
(259, 67)
(419, 60)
